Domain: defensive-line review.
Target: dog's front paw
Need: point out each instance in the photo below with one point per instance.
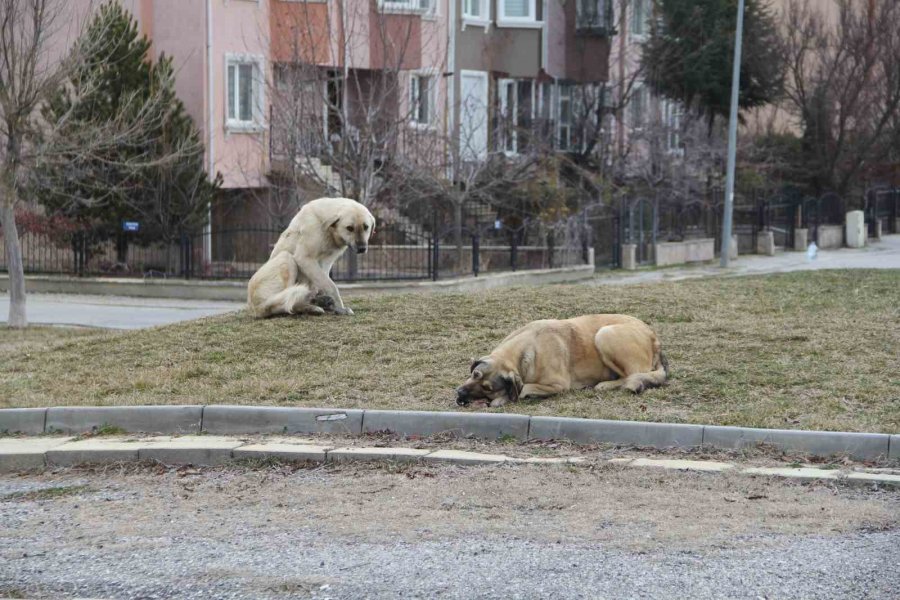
(323, 301)
(343, 311)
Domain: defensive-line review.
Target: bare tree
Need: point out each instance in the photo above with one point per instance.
(340, 125)
(844, 86)
(30, 75)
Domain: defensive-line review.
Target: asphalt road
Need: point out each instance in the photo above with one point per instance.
(115, 312)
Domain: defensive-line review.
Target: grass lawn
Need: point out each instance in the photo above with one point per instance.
(818, 350)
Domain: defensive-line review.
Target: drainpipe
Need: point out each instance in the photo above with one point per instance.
(207, 230)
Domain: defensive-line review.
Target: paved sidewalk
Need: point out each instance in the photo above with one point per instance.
(884, 254)
(115, 312)
(22, 453)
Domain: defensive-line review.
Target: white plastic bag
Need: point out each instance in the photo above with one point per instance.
(812, 251)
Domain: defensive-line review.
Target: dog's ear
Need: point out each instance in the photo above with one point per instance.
(335, 222)
(514, 386)
(475, 363)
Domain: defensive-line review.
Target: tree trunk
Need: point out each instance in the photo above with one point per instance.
(17, 318)
(458, 233)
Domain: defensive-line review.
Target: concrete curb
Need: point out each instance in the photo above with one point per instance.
(225, 419)
(236, 291)
(19, 454)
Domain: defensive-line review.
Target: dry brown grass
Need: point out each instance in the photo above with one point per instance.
(808, 350)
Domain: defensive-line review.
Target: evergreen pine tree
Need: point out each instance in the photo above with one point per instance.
(690, 52)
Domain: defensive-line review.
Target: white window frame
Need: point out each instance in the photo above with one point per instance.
(484, 20)
(418, 75)
(256, 123)
(529, 21)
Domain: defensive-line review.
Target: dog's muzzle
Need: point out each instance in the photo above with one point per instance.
(462, 398)
(361, 249)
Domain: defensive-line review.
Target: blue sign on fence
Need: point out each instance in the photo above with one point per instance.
(131, 226)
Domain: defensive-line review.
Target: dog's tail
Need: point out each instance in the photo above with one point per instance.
(294, 299)
(663, 363)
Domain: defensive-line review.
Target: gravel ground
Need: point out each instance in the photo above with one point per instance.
(441, 532)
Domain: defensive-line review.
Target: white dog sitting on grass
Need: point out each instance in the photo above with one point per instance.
(296, 278)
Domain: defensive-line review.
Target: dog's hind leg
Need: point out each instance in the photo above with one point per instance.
(294, 300)
(632, 355)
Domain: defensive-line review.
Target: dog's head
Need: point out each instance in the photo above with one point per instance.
(488, 381)
(352, 227)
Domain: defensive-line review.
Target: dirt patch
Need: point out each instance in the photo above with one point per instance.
(634, 509)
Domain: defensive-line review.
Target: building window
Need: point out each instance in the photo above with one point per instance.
(517, 10)
(638, 17)
(516, 114)
(421, 99)
(594, 15)
(672, 119)
(638, 107)
(477, 10)
(407, 6)
(244, 91)
(564, 138)
(473, 126)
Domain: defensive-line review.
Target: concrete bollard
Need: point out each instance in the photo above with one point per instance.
(801, 239)
(877, 235)
(765, 243)
(629, 257)
(733, 248)
(856, 229)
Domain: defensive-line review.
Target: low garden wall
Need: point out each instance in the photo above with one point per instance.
(688, 251)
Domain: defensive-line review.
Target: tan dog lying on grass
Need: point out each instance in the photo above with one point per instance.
(296, 277)
(547, 357)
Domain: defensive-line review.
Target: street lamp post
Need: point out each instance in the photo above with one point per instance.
(732, 139)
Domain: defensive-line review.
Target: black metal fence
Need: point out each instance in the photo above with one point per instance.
(645, 221)
(397, 251)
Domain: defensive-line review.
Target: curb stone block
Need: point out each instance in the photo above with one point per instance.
(865, 446)
(801, 473)
(489, 426)
(222, 419)
(883, 478)
(282, 450)
(628, 433)
(196, 450)
(18, 454)
(133, 419)
(894, 453)
(683, 465)
(368, 453)
(97, 450)
(461, 457)
(22, 420)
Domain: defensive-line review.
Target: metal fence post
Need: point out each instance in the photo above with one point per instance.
(436, 257)
(513, 250)
(475, 253)
(551, 247)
